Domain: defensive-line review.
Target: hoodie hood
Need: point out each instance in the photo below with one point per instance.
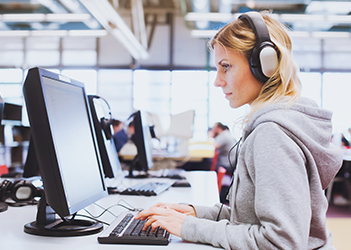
(310, 127)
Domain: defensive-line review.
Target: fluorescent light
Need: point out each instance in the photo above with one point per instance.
(289, 18)
(302, 18)
(22, 17)
(215, 17)
(57, 33)
(17, 33)
(339, 19)
(48, 32)
(295, 34)
(203, 33)
(45, 17)
(67, 17)
(330, 34)
(299, 34)
(94, 33)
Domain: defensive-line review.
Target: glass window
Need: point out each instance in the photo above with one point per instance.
(311, 86)
(43, 57)
(116, 87)
(42, 43)
(79, 43)
(11, 58)
(151, 91)
(88, 77)
(11, 91)
(336, 96)
(337, 60)
(79, 57)
(11, 76)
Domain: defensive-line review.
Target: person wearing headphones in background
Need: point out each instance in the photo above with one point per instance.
(120, 137)
(285, 159)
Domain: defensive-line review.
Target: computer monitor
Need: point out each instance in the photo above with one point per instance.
(102, 119)
(142, 140)
(12, 112)
(68, 157)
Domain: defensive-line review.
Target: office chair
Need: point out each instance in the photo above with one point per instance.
(343, 176)
(214, 160)
(220, 174)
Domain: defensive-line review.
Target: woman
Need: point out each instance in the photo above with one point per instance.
(285, 159)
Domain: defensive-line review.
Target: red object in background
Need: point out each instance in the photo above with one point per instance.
(3, 169)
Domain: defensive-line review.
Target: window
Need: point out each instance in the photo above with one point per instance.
(336, 96)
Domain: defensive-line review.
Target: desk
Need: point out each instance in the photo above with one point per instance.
(198, 150)
(204, 191)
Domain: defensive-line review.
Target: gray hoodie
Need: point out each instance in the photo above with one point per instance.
(277, 200)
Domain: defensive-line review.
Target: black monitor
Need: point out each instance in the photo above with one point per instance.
(102, 119)
(67, 153)
(12, 112)
(142, 140)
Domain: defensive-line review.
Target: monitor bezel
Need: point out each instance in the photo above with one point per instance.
(43, 142)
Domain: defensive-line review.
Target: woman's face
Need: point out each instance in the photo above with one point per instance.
(235, 78)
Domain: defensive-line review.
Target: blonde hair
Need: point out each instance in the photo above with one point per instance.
(239, 36)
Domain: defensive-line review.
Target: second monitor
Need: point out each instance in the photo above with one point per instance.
(142, 140)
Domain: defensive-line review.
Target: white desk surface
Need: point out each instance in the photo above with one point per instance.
(204, 191)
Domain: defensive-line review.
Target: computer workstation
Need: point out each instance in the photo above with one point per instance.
(68, 155)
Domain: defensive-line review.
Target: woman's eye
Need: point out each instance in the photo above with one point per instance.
(226, 67)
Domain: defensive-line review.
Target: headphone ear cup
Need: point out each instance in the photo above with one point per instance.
(269, 61)
(106, 127)
(23, 191)
(5, 189)
(263, 61)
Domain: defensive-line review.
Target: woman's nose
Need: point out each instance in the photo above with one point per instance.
(219, 82)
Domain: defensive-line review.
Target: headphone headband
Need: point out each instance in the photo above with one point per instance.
(264, 57)
(258, 25)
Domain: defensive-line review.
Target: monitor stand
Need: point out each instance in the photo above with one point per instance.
(47, 225)
(136, 165)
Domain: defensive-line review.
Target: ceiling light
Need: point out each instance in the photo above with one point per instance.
(22, 17)
(13, 33)
(203, 33)
(302, 17)
(58, 33)
(67, 17)
(330, 34)
(45, 17)
(299, 34)
(214, 17)
(95, 33)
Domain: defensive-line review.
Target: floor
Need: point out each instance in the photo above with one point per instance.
(339, 223)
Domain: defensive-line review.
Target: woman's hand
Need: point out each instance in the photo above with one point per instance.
(184, 209)
(167, 216)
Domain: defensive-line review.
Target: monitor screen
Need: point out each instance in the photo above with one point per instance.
(64, 141)
(142, 140)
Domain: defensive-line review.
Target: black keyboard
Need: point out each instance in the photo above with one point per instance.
(126, 230)
(147, 189)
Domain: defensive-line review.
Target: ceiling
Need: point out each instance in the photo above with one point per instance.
(203, 17)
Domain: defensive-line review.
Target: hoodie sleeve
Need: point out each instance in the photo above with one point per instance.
(281, 214)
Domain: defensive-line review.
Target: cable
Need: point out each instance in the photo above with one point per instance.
(220, 210)
(236, 154)
(237, 145)
(92, 218)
